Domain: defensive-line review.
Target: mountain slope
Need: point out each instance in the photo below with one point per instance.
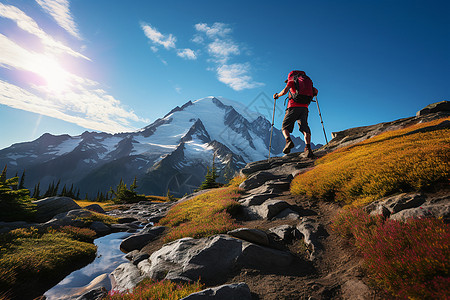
(172, 153)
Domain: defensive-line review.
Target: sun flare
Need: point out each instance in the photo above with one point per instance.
(56, 78)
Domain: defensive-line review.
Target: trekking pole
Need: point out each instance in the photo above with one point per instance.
(321, 121)
(271, 130)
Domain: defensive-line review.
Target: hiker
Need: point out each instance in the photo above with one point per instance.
(301, 92)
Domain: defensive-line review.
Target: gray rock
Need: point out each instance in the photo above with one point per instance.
(287, 214)
(257, 179)
(270, 208)
(95, 294)
(125, 220)
(251, 235)
(70, 218)
(125, 277)
(311, 230)
(100, 228)
(140, 257)
(47, 208)
(255, 256)
(137, 241)
(355, 289)
(284, 232)
(257, 199)
(156, 230)
(96, 208)
(394, 204)
(235, 291)
(443, 106)
(120, 227)
(424, 211)
(210, 259)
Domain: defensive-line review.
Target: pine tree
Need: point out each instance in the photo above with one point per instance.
(124, 195)
(22, 181)
(36, 191)
(3, 175)
(55, 192)
(64, 191)
(15, 204)
(210, 178)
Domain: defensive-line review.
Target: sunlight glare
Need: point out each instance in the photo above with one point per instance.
(56, 78)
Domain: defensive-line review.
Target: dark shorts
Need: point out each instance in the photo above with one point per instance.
(299, 114)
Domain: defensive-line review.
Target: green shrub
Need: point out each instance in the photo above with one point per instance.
(15, 204)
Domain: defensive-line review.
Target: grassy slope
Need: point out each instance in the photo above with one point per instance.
(410, 159)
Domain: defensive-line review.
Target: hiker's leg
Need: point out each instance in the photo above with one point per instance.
(307, 136)
(287, 127)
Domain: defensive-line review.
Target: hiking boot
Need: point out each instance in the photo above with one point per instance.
(289, 146)
(308, 152)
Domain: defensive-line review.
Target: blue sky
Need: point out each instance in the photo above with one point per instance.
(115, 66)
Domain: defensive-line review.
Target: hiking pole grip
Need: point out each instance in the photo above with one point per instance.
(321, 121)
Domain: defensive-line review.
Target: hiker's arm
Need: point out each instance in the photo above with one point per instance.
(282, 93)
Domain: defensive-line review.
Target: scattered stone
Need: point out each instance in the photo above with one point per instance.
(251, 235)
(235, 291)
(95, 294)
(140, 257)
(137, 241)
(49, 207)
(355, 289)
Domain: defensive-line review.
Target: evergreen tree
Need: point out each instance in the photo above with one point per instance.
(15, 204)
(124, 195)
(36, 191)
(55, 192)
(64, 191)
(210, 178)
(3, 175)
(22, 181)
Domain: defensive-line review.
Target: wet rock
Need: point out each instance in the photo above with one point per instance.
(140, 257)
(141, 239)
(235, 291)
(125, 277)
(125, 220)
(100, 228)
(49, 207)
(251, 235)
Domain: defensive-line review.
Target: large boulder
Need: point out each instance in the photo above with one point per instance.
(235, 291)
(49, 207)
(210, 259)
(443, 106)
(71, 218)
(257, 180)
(95, 208)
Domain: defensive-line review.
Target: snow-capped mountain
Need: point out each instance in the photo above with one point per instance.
(172, 153)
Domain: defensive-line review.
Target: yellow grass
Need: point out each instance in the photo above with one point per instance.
(395, 161)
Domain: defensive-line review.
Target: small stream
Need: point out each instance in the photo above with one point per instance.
(109, 257)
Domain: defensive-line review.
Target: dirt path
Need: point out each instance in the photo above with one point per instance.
(336, 273)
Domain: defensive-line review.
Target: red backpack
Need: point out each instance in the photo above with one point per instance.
(304, 91)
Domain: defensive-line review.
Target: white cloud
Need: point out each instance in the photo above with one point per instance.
(187, 54)
(60, 93)
(223, 49)
(216, 30)
(27, 24)
(236, 76)
(198, 39)
(167, 41)
(59, 10)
